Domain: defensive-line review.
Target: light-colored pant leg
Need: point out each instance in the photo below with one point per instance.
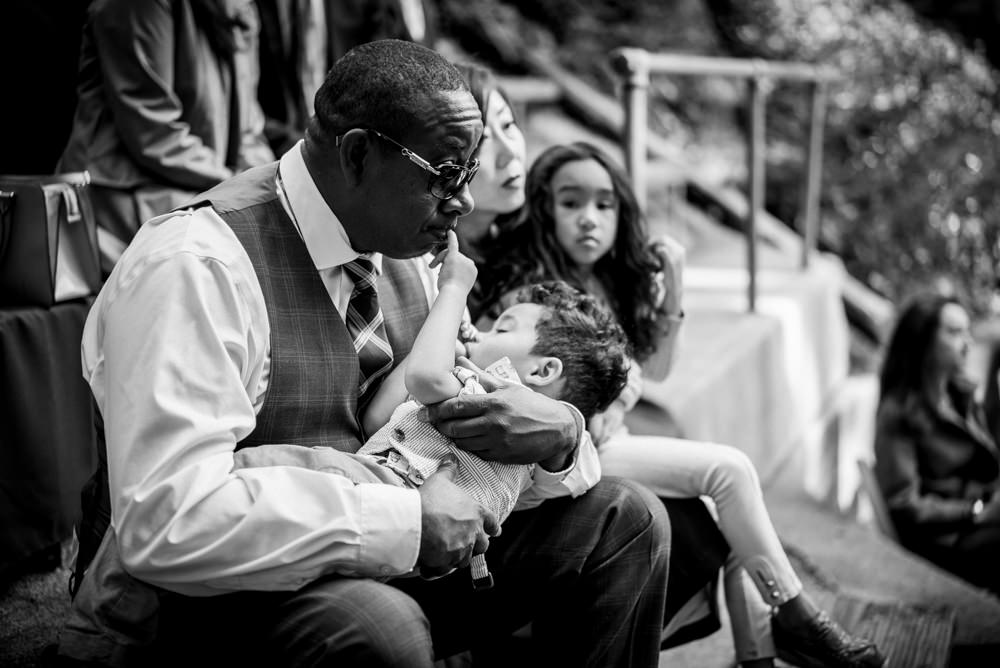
(672, 467)
(749, 615)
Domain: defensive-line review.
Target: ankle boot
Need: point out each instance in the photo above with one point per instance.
(822, 643)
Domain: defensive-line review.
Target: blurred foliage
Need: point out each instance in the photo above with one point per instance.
(911, 151)
(976, 21)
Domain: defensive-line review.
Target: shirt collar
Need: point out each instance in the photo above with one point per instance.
(320, 229)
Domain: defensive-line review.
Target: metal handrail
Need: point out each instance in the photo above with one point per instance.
(635, 66)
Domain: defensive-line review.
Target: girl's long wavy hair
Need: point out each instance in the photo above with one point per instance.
(530, 252)
(907, 366)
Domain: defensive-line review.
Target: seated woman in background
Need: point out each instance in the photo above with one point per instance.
(935, 459)
(583, 225)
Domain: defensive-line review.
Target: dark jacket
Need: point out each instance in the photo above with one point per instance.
(931, 468)
(154, 99)
(348, 24)
(160, 116)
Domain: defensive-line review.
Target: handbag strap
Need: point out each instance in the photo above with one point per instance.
(6, 219)
(68, 203)
(72, 204)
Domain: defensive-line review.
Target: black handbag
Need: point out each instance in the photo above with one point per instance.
(48, 239)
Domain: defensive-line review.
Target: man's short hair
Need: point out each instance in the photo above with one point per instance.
(588, 340)
(380, 85)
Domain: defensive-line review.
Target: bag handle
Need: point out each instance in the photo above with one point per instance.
(72, 204)
(69, 204)
(6, 219)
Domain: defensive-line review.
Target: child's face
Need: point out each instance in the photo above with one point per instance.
(585, 209)
(512, 336)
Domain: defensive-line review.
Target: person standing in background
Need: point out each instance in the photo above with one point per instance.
(301, 39)
(166, 107)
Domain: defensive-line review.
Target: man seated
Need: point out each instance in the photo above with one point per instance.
(231, 325)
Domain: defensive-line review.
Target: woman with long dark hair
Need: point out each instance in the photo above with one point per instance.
(935, 458)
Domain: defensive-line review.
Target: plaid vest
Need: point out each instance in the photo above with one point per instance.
(311, 398)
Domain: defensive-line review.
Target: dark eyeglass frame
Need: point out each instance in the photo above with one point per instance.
(443, 183)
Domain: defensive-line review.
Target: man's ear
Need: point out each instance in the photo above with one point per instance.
(546, 371)
(355, 148)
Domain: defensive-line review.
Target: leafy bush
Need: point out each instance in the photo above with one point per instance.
(911, 150)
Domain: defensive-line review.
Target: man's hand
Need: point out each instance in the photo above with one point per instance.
(453, 527)
(510, 423)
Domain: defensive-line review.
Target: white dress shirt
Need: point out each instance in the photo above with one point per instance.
(176, 352)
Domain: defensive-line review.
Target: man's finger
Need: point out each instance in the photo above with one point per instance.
(464, 428)
(466, 556)
(490, 524)
(482, 543)
(456, 408)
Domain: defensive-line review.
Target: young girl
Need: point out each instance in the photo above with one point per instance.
(582, 225)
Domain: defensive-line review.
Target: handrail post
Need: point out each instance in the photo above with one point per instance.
(756, 166)
(633, 65)
(814, 168)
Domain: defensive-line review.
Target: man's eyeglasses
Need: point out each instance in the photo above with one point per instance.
(446, 179)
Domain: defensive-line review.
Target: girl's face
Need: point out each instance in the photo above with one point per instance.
(951, 344)
(499, 184)
(585, 209)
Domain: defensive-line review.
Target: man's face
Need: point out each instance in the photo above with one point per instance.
(404, 218)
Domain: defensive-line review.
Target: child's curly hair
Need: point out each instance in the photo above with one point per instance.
(588, 340)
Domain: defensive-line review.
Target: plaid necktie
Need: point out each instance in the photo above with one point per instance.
(366, 326)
